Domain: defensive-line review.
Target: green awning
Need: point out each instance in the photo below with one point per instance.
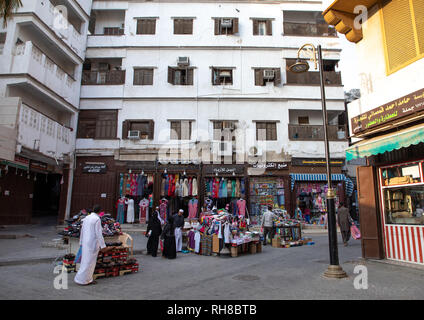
(389, 142)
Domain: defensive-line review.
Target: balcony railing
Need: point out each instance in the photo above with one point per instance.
(316, 133)
(113, 77)
(309, 29)
(312, 78)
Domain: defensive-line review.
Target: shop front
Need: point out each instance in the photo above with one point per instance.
(268, 186)
(391, 186)
(225, 186)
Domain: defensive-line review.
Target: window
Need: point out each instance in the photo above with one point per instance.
(303, 120)
(97, 124)
(180, 130)
(404, 43)
(183, 26)
(264, 75)
(2, 41)
(222, 76)
(307, 23)
(180, 76)
(225, 26)
(223, 130)
(113, 31)
(146, 26)
(266, 131)
(143, 76)
(262, 27)
(144, 127)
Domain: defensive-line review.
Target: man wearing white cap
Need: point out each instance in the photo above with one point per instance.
(178, 224)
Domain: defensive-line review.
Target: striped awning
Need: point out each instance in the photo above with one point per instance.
(322, 177)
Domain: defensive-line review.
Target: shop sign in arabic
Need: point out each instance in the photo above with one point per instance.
(271, 165)
(397, 109)
(94, 168)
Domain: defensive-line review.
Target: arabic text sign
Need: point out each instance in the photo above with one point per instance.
(399, 108)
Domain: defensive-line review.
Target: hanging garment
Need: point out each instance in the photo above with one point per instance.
(177, 188)
(130, 210)
(120, 205)
(241, 205)
(181, 188)
(191, 243)
(207, 188)
(234, 207)
(162, 187)
(227, 233)
(141, 184)
(224, 189)
(178, 239)
(185, 188)
(238, 188)
(197, 242)
(166, 185)
(208, 204)
(242, 187)
(233, 188)
(221, 187)
(121, 184)
(128, 185)
(151, 200)
(174, 179)
(229, 189)
(144, 210)
(215, 193)
(91, 241)
(194, 190)
(133, 184)
(192, 208)
(220, 230)
(163, 206)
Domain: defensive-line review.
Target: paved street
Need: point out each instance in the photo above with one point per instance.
(290, 273)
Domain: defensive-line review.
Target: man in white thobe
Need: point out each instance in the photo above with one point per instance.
(91, 241)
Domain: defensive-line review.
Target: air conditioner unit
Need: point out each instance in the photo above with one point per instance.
(183, 61)
(225, 74)
(226, 23)
(269, 74)
(133, 134)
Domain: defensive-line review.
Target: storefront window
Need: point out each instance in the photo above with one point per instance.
(404, 174)
(265, 192)
(404, 205)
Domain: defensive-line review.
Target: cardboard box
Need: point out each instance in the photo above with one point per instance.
(215, 243)
(252, 248)
(276, 242)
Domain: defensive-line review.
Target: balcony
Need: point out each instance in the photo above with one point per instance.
(112, 77)
(29, 59)
(313, 78)
(47, 13)
(41, 134)
(316, 133)
(309, 30)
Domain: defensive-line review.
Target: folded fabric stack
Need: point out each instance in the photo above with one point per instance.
(115, 263)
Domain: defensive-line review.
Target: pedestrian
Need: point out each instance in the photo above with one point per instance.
(91, 242)
(268, 224)
(307, 214)
(178, 225)
(298, 213)
(344, 222)
(154, 227)
(168, 236)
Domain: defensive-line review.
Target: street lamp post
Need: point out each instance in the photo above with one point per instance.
(334, 270)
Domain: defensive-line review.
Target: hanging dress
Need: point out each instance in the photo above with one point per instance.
(192, 209)
(120, 205)
(130, 210)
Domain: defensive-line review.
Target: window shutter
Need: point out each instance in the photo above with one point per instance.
(418, 6)
(255, 27)
(190, 76)
(277, 77)
(136, 77)
(125, 126)
(269, 27)
(260, 126)
(188, 26)
(235, 25)
(139, 26)
(148, 76)
(151, 130)
(152, 28)
(400, 39)
(215, 76)
(177, 26)
(217, 25)
(171, 72)
(259, 79)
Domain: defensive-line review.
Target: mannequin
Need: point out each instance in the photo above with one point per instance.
(241, 205)
(163, 206)
(192, 208)
(130, 209)
(144, 210)
(120, 205)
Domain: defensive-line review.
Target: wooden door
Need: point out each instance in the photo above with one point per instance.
(369, 214)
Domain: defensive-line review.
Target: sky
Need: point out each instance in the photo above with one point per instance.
(348, 64)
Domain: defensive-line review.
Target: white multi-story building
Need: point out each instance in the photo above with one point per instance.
(172, 74)
(42, 50)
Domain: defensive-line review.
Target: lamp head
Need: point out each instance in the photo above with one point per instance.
(299, 67)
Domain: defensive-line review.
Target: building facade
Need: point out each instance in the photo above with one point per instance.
(42, 50)
(386, 123)
(199, 91)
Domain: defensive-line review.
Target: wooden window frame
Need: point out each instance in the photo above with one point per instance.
(188, 77)
(305, 120)
(120, 31)
(96, 119)
(127, 124)
(143, 78)
(151, 29)
(181, 26)
(218, 71)
(230, 31)
(259, 79)
(255, 25)
(271, 134)
(175, 133)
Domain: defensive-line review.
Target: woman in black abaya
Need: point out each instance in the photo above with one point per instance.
(168, 235)
(154, 226)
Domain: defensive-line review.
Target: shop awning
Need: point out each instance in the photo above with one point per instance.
(322, 177)
(388, 142)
